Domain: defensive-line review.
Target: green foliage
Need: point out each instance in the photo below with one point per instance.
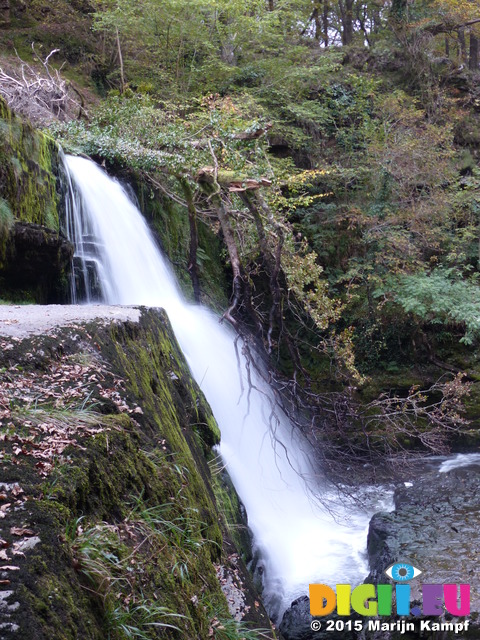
(138, 622)
(193, 46)
(441, 297)
(136, 132)
(181, 527)
(372, 208)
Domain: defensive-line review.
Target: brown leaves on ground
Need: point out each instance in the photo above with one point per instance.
(48, 406)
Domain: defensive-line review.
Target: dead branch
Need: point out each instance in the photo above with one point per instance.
(449, 27)
(44, 96)
(235, 183)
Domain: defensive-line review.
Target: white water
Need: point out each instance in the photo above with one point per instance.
(298, 541)
(459, 460)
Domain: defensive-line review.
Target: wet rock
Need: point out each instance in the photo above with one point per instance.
(38, 262)
(296, 621)
(298, 624)
(62, 478)
(435, 528)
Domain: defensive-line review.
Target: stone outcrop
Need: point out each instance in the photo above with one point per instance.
(107, 512)
(435, 528)
(28, 168)
(34, 257)
(38, 261)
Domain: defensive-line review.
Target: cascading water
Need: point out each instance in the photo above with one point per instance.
(297, 541)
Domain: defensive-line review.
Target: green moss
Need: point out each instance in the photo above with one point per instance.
(6, 224)
(33, 262)
(174, 407)
(28, 160)
(233, 513)
(100, 482)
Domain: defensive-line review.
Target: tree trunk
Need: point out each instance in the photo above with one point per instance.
(229, 237)
(120, 60)
(362, 17)
(316, 20)
(462, 44)
(347, 23)
(325, 23)
(271, 259)
(376, 20)
(473, 58)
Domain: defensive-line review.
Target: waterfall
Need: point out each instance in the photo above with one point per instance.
(297, 541)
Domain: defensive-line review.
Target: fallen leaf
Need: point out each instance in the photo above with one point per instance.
(16, 551)
(20, 531)
(17, 490)
(9, 567)
(3, 555)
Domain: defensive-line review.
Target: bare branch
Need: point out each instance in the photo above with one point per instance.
(41, 96)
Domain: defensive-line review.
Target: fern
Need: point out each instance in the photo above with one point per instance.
(441, 297)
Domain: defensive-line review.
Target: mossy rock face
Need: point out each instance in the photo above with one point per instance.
(435, 532)
(35, 258)
(111, 434)
(28, 166)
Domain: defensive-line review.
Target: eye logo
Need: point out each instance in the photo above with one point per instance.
(402, 572)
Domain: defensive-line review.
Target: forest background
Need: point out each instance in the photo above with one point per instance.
(332, 147)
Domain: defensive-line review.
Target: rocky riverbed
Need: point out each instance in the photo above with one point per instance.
(435, 527)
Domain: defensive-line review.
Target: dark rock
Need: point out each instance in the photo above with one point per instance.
(297, 624)
(296, 621)
(435, 528)
(38, 262)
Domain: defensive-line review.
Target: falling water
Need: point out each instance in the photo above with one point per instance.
(297, 541)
